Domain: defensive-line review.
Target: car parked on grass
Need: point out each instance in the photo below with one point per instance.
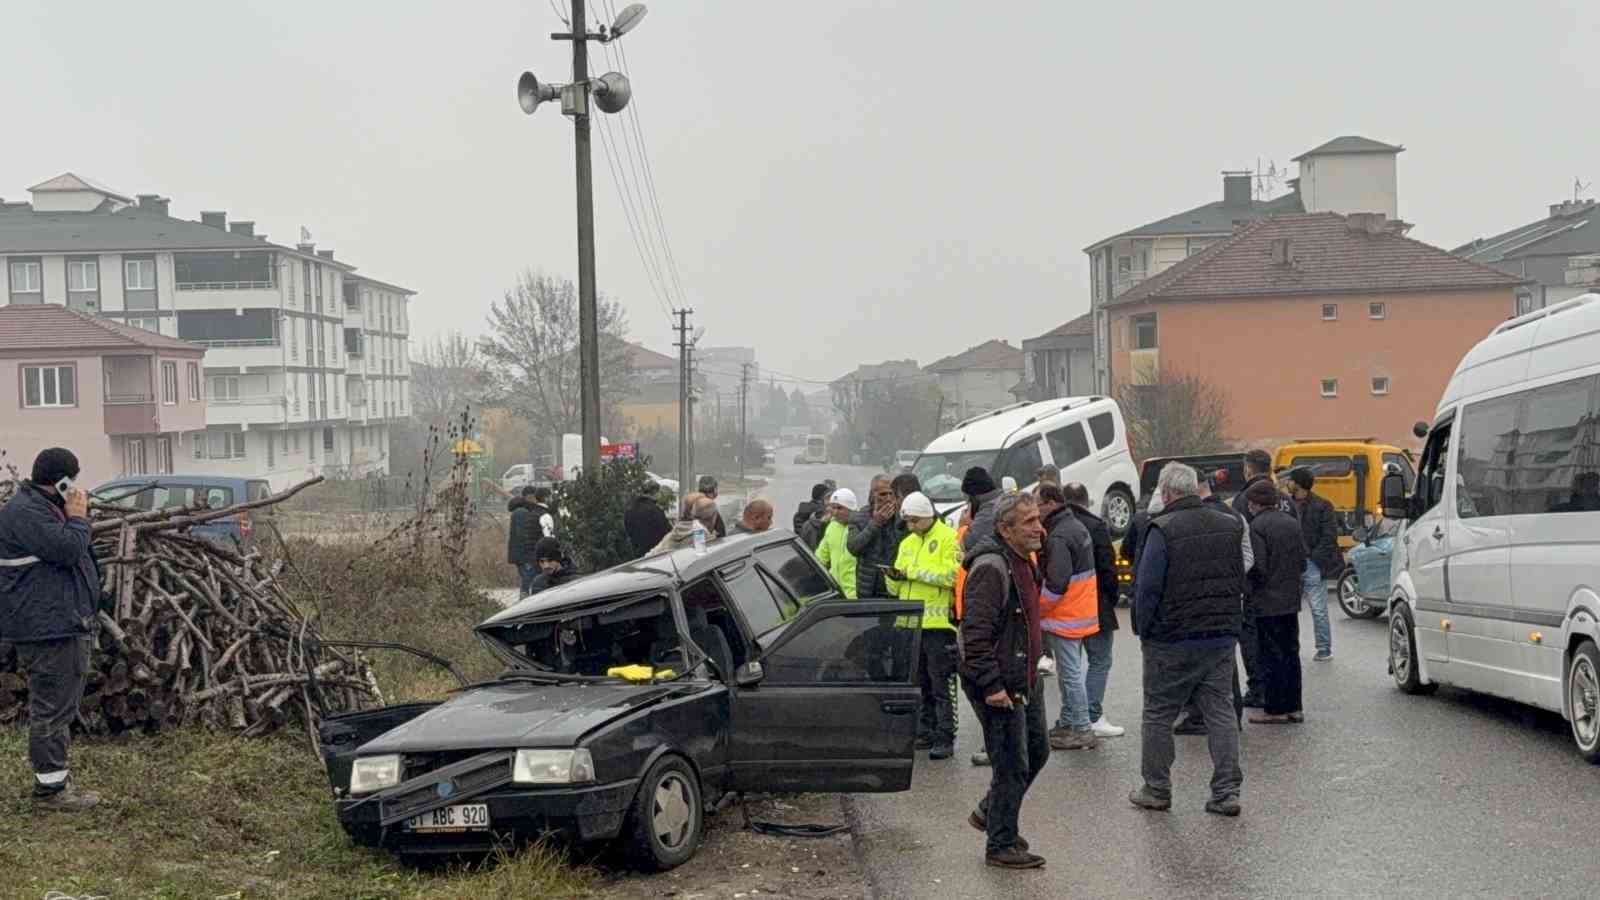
(633, 700)
(142, 493)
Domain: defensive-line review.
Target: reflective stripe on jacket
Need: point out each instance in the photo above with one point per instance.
(1069, 599)
(961, 571)
(833, 554)
(930, 562)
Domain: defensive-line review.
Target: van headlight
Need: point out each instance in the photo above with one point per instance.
(374, 773)
(553, 767)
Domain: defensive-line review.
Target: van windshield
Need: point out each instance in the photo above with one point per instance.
(941, 473)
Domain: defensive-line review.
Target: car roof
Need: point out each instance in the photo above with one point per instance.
(990, 430)
(1568, 332)
(658, 572)
(180, 478)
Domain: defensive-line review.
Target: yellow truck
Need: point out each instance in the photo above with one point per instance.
(1349, 475)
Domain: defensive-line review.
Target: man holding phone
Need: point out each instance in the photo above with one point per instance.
(49, 608)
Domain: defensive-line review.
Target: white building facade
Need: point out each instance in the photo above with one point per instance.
(305, 366)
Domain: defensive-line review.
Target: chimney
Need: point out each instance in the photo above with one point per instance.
(217, 220)
(1282, 252)
(306, 248)
(1236, 189)
(1369, 223)
(1569, 207)
(248, 229)
(325, 254)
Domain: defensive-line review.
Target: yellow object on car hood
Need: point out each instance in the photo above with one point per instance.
(639, 673)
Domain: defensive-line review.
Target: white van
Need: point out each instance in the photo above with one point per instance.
(1499, 591)
(1082, 436)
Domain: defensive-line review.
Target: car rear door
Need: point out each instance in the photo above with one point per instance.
(836, 707)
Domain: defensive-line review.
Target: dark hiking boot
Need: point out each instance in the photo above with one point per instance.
(1068, 739)
(941, 751)
(981, 822)
(1013, 858)
(1190, 725)
(67, 799)
(1144, 798)
(1227, 806)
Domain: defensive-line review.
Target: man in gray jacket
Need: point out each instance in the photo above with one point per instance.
(49, 608)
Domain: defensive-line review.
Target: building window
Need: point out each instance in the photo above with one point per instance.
(83, 284)
(169, 383)
(139, 274)
(225, 387)
(1330, 387)
(26, 280)
(133, 461)
(1380, 385)
(327, 441)
(272, 456)
(1330, 312)
(1524, 303)
(221, 445)
(311, 445)
(194, 381)
(1195, 245)
(1144, 332)
(296, 441)
(1377, 311)
(164, 455)
(49, 386)
(284, 443)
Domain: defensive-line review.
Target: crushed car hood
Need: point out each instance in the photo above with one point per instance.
(519, 714)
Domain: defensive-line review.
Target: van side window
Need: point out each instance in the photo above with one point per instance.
(1435, 461)
(1485, 460)
(1556, 462)
(1104, 429)
(1067, 445)
(1021, 462)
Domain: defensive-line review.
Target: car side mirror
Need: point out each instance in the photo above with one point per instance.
(748, 675)
(1393, 491)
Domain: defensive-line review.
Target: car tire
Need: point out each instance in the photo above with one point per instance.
(1583, 700)
(1403, 653)
(1351, 603)
(1118, 509)
(667, 818)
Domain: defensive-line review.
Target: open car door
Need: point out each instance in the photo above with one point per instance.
(836, 706)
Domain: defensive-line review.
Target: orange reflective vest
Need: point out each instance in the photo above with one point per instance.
(1069, 598)
(961, 572)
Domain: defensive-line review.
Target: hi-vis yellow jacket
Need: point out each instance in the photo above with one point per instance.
(930, 563)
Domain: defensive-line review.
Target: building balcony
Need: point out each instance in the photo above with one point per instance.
(264, 409)
(131, 415)
(229, 354)
(227, 295)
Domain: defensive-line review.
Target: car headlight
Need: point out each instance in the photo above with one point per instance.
(374, 773)
(553, 767)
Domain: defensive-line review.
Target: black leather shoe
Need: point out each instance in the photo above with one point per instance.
(1014, 858)
(979, 821)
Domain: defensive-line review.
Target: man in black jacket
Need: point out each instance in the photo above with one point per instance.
(645, 521)
(1189, 601)
(522, 536)
(49, 608)
(874, 539)
(1274, 602)
(1000, 647)
(555, 567)
(1257, 470)
(1320, 530)
(1098, 646)
(708, 486)
(808, 509)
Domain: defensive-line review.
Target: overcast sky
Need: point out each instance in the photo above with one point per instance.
(841, 182)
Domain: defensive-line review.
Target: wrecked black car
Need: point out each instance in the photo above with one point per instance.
(634, 699)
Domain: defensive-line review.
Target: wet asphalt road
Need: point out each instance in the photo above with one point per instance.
(1377, 794)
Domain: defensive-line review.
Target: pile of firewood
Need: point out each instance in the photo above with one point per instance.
(193, 630)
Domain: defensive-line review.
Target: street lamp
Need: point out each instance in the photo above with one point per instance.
(611, 93)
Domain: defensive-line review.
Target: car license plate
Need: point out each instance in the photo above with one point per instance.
(464, 817)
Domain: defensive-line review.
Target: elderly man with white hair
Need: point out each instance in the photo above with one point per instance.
(1188, 606)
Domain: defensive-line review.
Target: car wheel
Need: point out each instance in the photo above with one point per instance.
(1403, 653)
(1351, 602)
(1119, 511)
(665, 823)
(1583, 700)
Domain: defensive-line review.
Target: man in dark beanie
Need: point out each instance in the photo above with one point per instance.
(1274, 602)
(49, 607)
(1324, 562)
(981, 492)
(554, 566)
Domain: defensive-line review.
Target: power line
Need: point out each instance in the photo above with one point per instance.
(627, 211)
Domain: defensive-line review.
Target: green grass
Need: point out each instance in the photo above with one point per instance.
(195, 814)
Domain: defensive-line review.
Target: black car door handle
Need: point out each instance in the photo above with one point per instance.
(1438, 533)
(898, 707)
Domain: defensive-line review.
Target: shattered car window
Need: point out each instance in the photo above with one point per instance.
(634, 636)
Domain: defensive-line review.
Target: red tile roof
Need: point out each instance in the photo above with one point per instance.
(987, 355)
(50, 327)
(1082, 326)
(1329, 257)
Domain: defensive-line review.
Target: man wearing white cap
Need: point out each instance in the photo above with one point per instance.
(831, 551)
(925, 569)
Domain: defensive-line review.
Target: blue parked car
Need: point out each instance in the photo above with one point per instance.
(141, 493)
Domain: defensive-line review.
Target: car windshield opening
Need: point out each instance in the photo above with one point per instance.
(941, 473)
(637, 639)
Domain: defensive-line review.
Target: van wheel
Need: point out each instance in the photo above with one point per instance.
(1351, 602)
(1583, 700)
(667, 818)
(1118, 508)
(1403, 653)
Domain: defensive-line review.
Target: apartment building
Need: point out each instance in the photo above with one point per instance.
(305, 366)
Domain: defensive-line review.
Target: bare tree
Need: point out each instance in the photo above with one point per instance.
(1174, 414)
(532, 353)
(448, 374)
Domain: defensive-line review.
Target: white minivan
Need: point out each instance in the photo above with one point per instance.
(1499, 591)
(1083, 436)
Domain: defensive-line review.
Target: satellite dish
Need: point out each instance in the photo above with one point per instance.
(612, 92)
(530, 93)
(627, 19)
(698, 332)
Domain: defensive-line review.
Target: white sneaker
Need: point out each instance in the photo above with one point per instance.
(1047, 665)
(1102, 728)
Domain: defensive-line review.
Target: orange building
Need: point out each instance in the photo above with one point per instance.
(1312, 325)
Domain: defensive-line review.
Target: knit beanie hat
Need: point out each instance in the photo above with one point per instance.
(547, 548)
(977, 482)
(54, 464)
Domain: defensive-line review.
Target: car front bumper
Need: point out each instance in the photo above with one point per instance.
(593, 813)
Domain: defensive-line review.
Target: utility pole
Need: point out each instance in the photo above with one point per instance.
(611, 92)
(744, 401)
(684, 389)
